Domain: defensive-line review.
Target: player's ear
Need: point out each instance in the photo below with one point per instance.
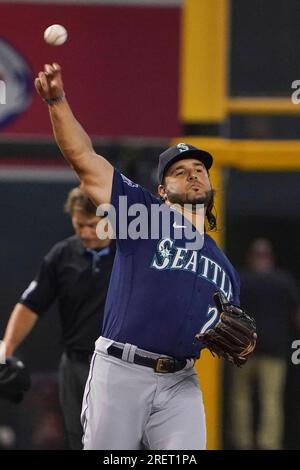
(162, 191)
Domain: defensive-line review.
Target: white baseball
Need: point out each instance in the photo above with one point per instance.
(55, 35)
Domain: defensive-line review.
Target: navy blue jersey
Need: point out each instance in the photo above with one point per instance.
(161, 293)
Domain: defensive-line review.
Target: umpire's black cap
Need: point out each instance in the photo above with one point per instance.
(180, 152)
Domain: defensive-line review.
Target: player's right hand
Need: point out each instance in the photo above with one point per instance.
(48, 83)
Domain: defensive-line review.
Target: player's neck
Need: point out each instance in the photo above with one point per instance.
(192, 213)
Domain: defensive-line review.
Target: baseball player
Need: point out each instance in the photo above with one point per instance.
(142, 390)
(76, 272)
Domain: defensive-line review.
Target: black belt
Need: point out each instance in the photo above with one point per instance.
(162, 365)
(80, 356)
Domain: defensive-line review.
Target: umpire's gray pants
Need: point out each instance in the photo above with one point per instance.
(128, 406)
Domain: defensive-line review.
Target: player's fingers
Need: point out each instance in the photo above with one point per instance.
(44, 81)
(56, 67)
(45, 85)
(48, 69)
(38, 86)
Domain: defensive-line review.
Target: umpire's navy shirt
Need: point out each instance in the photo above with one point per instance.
(161, 294)
(78, 278)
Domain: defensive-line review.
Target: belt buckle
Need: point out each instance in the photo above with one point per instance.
(163, 365)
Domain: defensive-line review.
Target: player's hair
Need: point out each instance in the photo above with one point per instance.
(210, 217)
(79, 200)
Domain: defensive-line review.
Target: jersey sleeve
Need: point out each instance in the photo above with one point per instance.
(42, 291)
(128, 199)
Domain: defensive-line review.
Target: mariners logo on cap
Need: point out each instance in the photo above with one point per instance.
(182, 147)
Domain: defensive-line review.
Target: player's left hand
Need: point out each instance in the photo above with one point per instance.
(234, 336)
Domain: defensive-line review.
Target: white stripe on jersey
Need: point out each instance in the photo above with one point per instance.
(29, 289)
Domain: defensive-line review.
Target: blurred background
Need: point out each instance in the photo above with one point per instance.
(140, 75)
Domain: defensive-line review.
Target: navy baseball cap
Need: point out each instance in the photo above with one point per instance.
(180, 152)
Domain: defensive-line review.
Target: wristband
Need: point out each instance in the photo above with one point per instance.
(52, 101)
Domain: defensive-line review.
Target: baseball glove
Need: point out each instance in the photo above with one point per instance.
(234, 336)
(14, 380)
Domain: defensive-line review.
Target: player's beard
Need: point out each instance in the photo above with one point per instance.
(205, 198)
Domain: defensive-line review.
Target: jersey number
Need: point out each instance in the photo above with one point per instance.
(212, 313)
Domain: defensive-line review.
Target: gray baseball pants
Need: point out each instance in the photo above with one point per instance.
(128, 406)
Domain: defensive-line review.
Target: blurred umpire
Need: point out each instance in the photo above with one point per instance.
(76, 272)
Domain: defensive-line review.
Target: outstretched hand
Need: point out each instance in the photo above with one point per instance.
(49, 84)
